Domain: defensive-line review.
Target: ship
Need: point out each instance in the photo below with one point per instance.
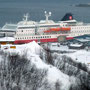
(48, 30)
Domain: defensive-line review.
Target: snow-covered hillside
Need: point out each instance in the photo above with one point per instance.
(27, 68)
(79, 55)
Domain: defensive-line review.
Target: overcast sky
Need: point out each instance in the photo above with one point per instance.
(70, 1)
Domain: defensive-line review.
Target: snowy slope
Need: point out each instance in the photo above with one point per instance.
(82, 56)
(32, 52)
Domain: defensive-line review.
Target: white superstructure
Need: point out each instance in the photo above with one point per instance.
(77, 28)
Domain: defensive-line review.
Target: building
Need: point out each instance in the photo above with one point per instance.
(7, 40)
(8, 30)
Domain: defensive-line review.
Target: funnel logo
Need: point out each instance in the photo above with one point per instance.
(70, 17)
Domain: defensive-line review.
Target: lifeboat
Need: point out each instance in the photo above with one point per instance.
(58, 29)
(65, 29)
(55, 29)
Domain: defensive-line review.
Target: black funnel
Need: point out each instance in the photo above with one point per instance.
(68, 16)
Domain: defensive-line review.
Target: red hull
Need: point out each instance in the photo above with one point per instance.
(69, 38)
(41, 40)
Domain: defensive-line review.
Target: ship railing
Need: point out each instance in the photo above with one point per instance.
(86, 24)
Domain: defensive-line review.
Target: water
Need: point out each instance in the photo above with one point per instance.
(12, 11)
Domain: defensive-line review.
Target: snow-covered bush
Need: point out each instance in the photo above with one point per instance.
(73, 68)
(30, 67)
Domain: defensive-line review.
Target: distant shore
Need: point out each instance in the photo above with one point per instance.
(83, 5)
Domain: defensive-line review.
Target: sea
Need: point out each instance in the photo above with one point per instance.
(12, 11)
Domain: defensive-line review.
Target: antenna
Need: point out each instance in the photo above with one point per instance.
(47, 15)
(26, 16)
(50, 13)
(45, 12)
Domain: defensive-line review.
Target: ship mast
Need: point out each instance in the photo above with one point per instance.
(26, 16)
(47, 15)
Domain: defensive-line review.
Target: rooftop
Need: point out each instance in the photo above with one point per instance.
(9, 27)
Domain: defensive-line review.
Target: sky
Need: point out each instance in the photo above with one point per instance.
(35, 1)
(13, 10)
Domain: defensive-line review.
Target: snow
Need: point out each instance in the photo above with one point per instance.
(7, 39)
(32, 51)
(82, 56)
(53, 73)
(60, 48)
(76, 45)
(32, 48)
(83, 40)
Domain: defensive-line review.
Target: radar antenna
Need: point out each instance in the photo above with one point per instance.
(47, 15)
